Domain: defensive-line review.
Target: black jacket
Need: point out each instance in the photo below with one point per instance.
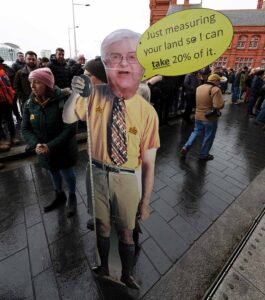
(61, 72)
(17, 65)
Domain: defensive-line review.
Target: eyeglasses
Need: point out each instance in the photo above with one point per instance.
(117, 58)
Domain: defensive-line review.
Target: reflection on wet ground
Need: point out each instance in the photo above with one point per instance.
(47, 256)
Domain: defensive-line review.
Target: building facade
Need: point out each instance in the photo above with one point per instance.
(248, 44)
(9, 52)
(45, 53)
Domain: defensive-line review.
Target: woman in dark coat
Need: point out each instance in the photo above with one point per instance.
(53, 141)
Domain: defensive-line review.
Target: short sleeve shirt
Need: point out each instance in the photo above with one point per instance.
(141, 125)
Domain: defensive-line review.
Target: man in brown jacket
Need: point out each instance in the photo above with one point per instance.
(208, 102)
(21, 82)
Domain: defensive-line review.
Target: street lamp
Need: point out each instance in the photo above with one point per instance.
(69, 38)
(73, 10)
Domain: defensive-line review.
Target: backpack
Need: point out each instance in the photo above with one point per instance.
(6, 91)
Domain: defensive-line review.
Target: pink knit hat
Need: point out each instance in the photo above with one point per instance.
(43, 75)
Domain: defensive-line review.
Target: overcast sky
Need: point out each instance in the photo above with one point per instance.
(36, 25)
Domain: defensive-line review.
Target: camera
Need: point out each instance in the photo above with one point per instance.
(213, 112)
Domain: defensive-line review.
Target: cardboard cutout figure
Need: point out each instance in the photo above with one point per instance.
(123, 130)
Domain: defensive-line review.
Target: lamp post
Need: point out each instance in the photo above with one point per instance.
(69, 38)
(73, 10)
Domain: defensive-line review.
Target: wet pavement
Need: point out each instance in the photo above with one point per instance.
(46, 256)
(244, 276)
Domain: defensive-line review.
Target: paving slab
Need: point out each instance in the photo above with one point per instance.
(236, 287)
(45, 286)
(15, 277)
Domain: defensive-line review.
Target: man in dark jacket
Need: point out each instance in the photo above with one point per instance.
(19, 63)
(255, 90)
(77, 68)
(21, 82)
(236, 91)
(61, 71)
(231, 79)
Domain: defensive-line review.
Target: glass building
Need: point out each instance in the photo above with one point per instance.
(8, 52)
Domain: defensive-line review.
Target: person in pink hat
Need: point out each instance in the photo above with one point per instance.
(53, 141)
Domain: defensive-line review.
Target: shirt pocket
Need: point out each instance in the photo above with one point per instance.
(133, 144)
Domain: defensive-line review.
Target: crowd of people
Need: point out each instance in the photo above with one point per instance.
(15, 87)
(175, 95)
(171, 96)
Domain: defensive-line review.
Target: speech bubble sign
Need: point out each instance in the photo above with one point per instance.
(184, 42)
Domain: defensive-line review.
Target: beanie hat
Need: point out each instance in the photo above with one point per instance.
(44, 75)
(96, 68)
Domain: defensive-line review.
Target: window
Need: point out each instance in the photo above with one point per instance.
(262, 64)
(241, 62)
(220, 62)
(254, 42)
(241, 43)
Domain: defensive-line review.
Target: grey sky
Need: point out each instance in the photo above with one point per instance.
(36, 25)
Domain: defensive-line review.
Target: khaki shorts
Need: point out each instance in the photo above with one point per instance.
(117, 196)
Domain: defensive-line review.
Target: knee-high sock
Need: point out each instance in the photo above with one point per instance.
(103, 244)
(126, 252)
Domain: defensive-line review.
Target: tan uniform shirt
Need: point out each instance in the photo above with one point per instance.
(141, 124)
(207, 97)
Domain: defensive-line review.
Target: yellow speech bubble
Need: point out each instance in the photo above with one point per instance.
(184, 42)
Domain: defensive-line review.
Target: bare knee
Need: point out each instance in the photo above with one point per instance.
(126, 236)
(103, 229)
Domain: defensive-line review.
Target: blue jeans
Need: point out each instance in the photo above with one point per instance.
(208, 128)
(68, 175)
(235, 94)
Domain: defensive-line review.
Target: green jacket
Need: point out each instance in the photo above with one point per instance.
(45, 126)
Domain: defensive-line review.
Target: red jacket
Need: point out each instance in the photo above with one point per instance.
(6, 91)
